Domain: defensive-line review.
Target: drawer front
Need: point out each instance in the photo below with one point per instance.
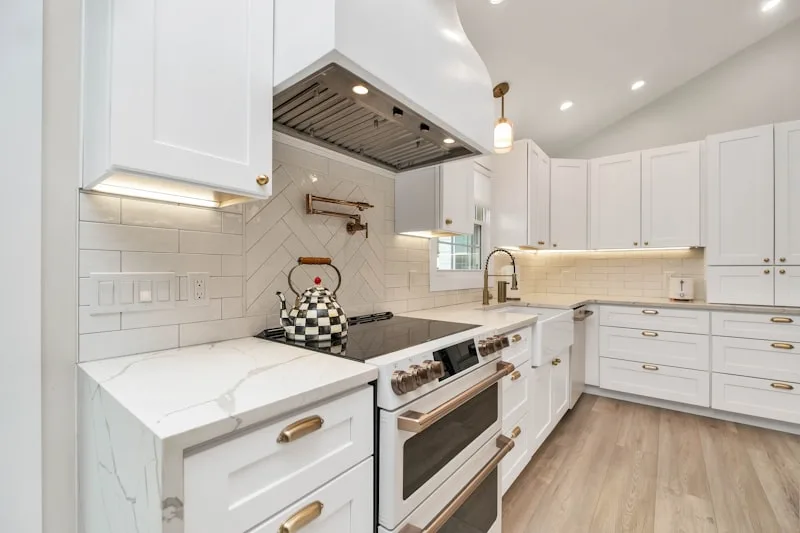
(516, 394)
(655, 318)
(682, 350)
(757, 397)
(346, 505)
(520, 345)
(517, 459)
(771, 327)
(663, 382)
(756, 358)
(240, 483)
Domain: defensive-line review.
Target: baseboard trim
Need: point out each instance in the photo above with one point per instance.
(695, 410)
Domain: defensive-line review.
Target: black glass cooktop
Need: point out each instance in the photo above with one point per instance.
(371, 336)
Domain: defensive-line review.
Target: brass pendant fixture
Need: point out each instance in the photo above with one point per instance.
(503, 128)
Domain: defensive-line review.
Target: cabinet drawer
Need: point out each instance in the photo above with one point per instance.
(238, 484)
(663, 382)
(517, 459)
(516, 394)
(655, 318)
(756, 358)
(757, 397)
(683, 350)
(520, 347)
(771, 327)
(346, 504)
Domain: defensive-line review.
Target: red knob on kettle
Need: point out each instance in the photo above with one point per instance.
(317, 280)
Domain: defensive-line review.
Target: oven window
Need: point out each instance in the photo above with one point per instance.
(426, 453)
(479, 512)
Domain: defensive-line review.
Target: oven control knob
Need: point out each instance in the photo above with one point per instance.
(435, 369)
(402, 382)
(498, 343)
(420, 374)
(505, 341)
(483, 349)
(490, 347)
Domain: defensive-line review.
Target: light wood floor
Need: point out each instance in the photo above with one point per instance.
(616, 466)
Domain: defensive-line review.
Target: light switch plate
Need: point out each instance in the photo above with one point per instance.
(113, 292)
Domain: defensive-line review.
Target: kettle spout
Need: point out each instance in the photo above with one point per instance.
(285, 321)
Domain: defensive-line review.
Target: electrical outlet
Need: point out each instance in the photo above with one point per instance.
(198, 288)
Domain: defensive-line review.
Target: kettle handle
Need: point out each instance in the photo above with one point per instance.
(324, 261)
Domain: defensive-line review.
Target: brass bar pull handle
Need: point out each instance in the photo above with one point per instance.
(314, 261)
(302, 518)
(515, 375)
(505, 445)
(300, 429)
(416, 422)
(516, 432)
(781, 320)
(516, 338)
(649, 312)
(782, 386)
(650, 367)
(782, 345)
(650, 334)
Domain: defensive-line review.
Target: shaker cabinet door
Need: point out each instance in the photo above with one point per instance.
(615, 202)
(457, 193)
(787, 193)
(538, 198)
(569, 203)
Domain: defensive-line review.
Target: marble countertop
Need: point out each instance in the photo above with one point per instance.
(495, 322)
(202, 392)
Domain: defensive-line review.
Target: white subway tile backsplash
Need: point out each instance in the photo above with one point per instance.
(93, 346)
(181, 314)
(225, 287)
(232, 308)
(232, 223)
(96, 236)
(97, 261)
(181, 264)
(163, 215)
(96, 323)
(232, 265)
(197, 242)
(99, 208)
(85, 291)
(220, 330)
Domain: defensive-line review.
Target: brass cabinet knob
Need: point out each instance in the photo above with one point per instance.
(555, 245)
(783, 259)
(516, 432)
(516, 338)
(766, 271)
(782, 271)
(515, 375)
(766, 259)
(263, 179)
(646, 243)
(448, 221)
(541, 243)
(556, 361)
(636, 243)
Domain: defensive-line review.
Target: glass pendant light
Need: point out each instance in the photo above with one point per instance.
(503, 128)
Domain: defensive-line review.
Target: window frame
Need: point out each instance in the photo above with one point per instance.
(450, 280)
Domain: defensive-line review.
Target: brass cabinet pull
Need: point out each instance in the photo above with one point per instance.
(783, 259)
(516, 432)
(302, 518)
(556, 361)
(516, 338)
(766, 271)
(541, 243)
(636, 243)
(782, 386)
(300, 429)
(650, 367)
(650, 334)
(782, 271)
(416, 422)
(263, 179)
(515, 375)
(781, 320)
(766, 259)
(448, 221)
(649, 312)
(505, 446)
(783, 345)
(646, 243)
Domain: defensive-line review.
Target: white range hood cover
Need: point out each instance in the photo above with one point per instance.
(415, 51)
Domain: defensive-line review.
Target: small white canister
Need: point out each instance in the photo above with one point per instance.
(681, 288)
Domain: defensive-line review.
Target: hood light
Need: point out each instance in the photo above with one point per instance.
(449, 141)
(503, 128)
(638, 85)
(566, 105)
(769, 5)
(360, 90)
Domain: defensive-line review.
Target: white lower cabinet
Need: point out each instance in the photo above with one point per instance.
(746, 285)
(515, 462)
(656, 381)
(787, 286)
(559, 388)
(541, 410)
(777, 400)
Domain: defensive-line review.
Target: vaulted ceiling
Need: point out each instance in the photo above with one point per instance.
(591, 51)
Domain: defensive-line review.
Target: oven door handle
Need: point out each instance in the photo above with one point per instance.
(505, 445)
(416, 422)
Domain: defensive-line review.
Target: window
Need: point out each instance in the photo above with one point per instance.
(462, 252)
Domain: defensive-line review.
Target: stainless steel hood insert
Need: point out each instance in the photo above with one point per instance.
(374, 128)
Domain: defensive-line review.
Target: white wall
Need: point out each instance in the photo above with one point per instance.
(20, 269)
(759, 85)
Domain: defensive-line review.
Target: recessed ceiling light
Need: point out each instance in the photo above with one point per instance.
(495, 2)
(449, 141)
(360, 89)
(769, 5)
(637, 85)
(566, 105)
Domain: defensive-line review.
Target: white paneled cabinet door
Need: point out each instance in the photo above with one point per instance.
(615, 202)
(191, 90)
(671, 196)
(745, 285)
(559, 376)
(569, 203)
(787, 194)
(787, 286)
(541, 402)
(457, 194)
(510, 196)
(538, 197)
(741, 198)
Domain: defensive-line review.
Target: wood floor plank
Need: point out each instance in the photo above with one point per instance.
(639, 428)
(683, 500)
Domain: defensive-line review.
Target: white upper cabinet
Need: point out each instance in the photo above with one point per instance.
(615, 202)
(741, 197)
(436, 201)
(179, 91)
(671, 196)
(569, 202)
(521, 197)
(787, 195)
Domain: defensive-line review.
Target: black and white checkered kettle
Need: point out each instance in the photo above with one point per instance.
(316, 315)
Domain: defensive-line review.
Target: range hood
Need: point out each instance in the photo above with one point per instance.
(424, 97)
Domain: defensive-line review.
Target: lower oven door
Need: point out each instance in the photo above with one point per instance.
(425, 442)
(468, 502)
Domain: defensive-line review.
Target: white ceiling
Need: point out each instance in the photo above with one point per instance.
(591, 51)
